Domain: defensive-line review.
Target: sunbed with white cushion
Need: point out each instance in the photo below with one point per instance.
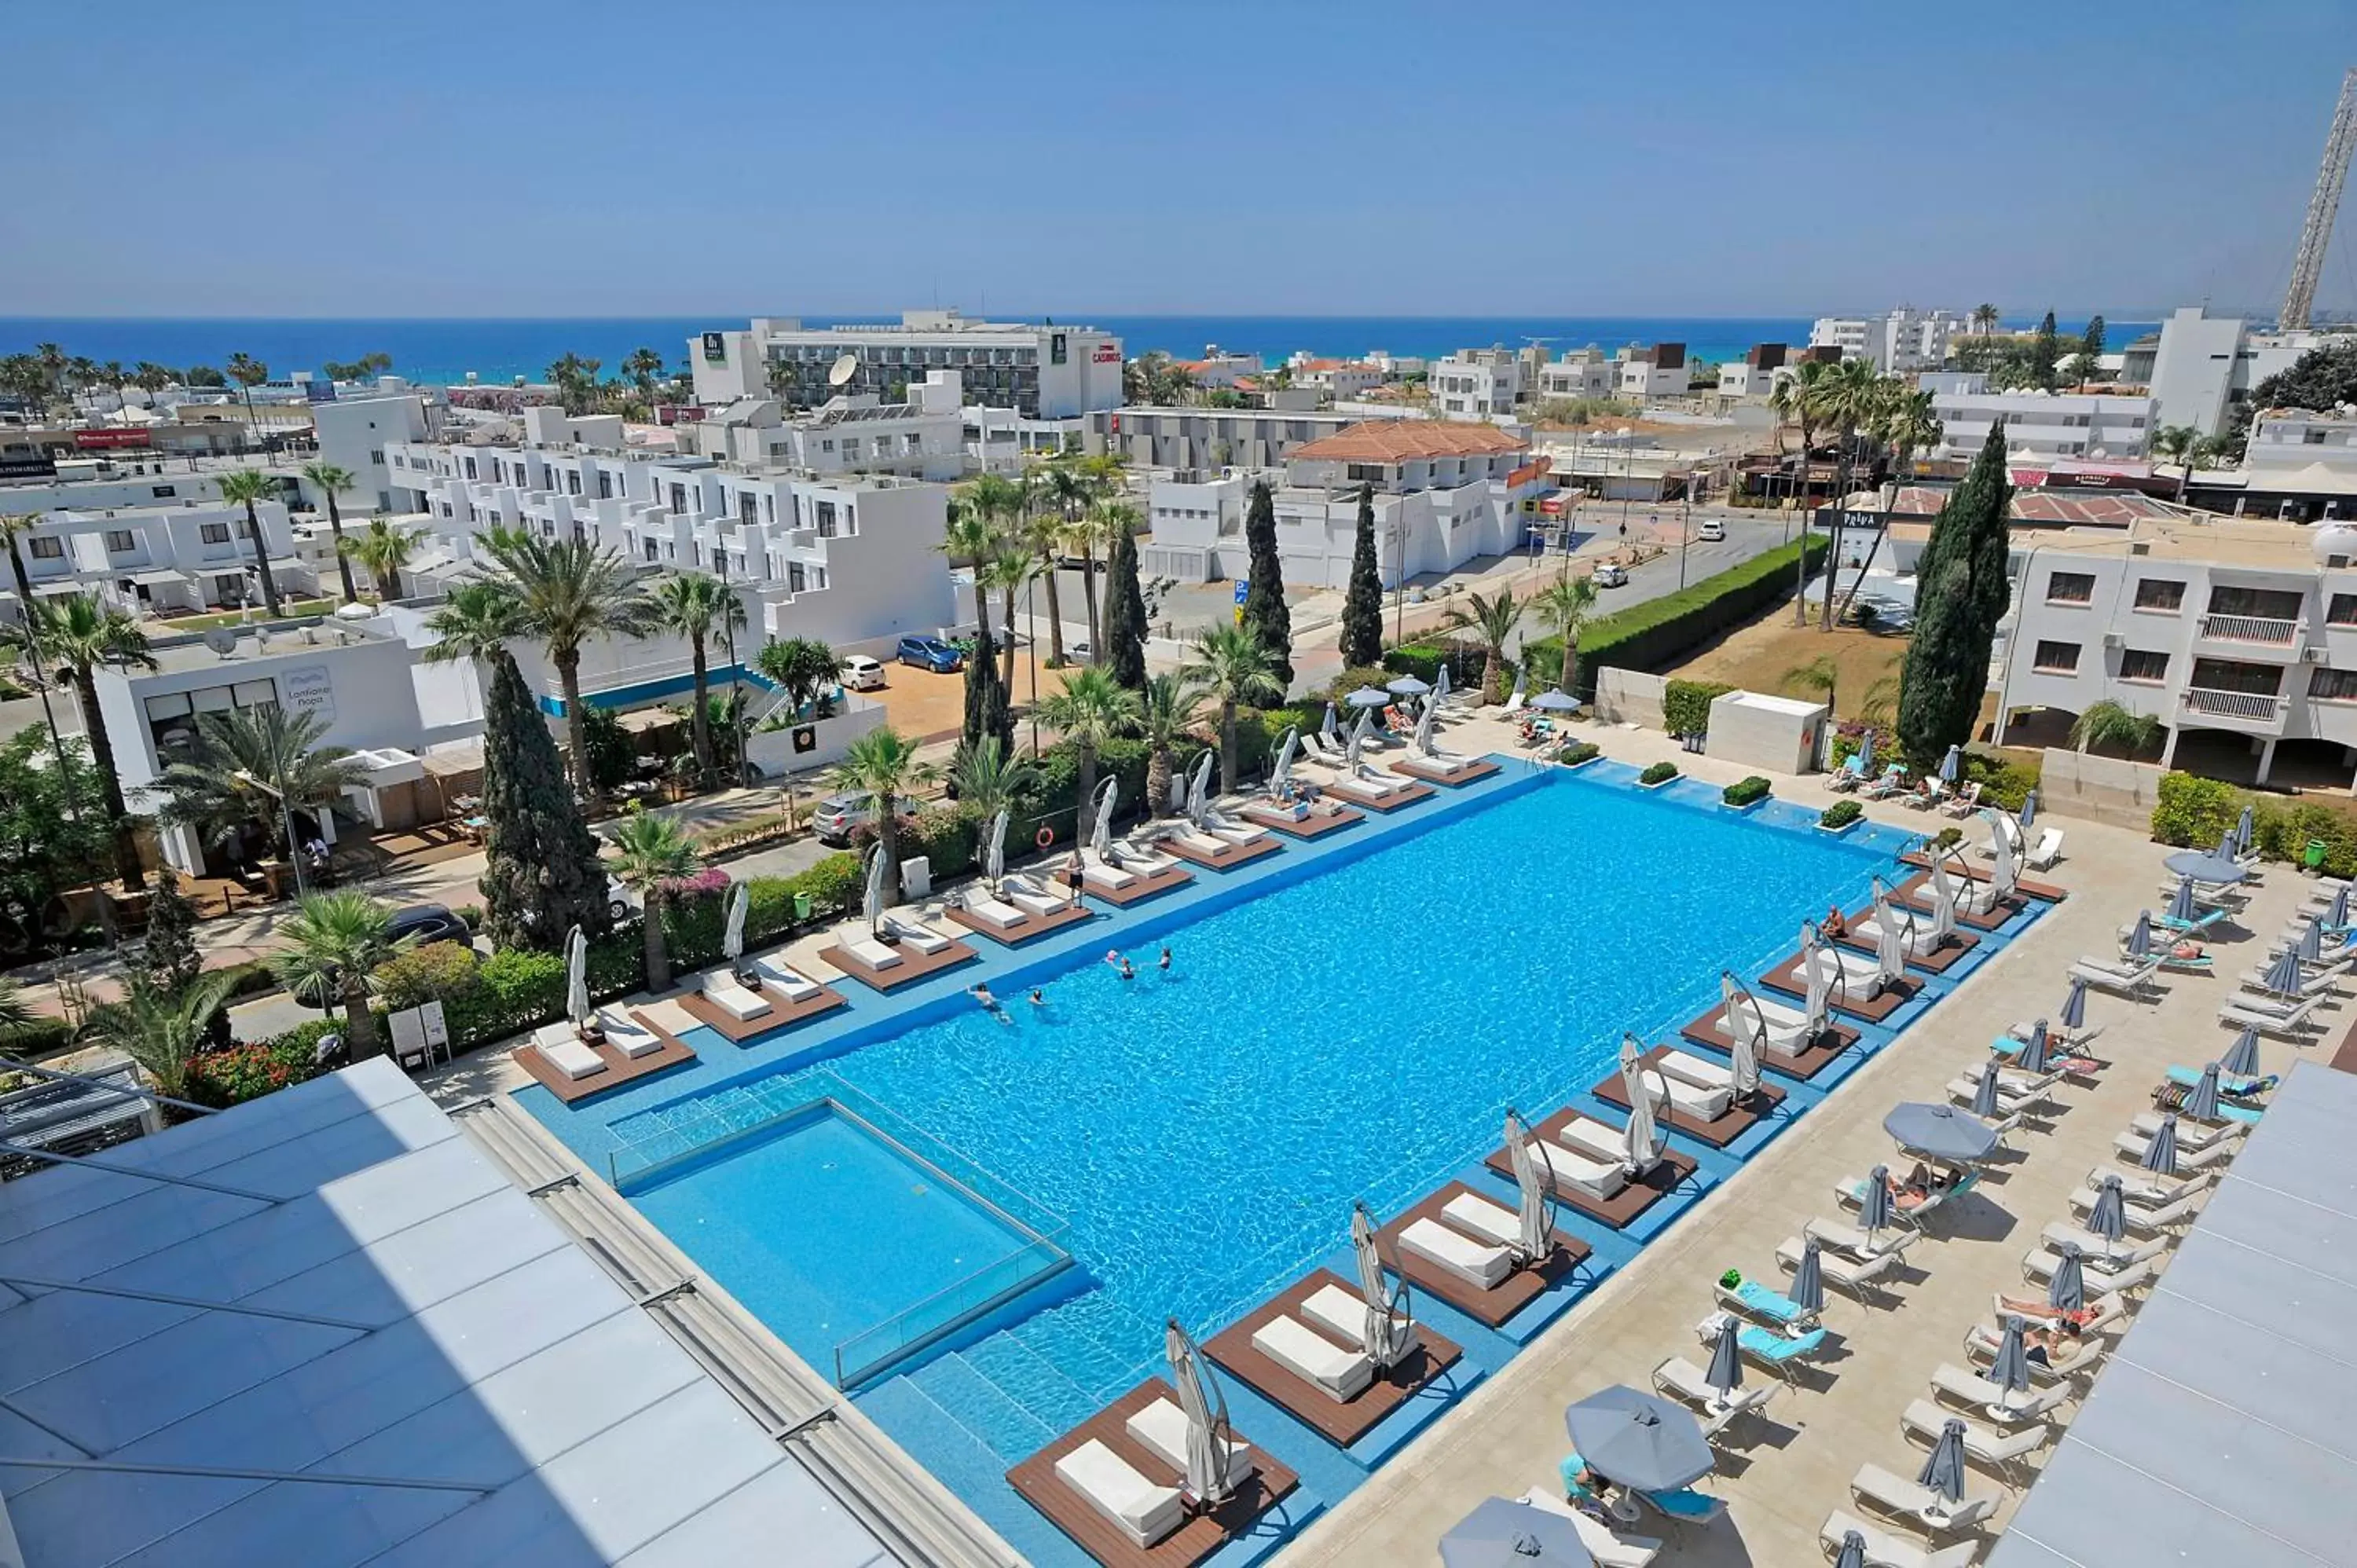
(1343, 1315)
(871, 952)
(1916, 1503)
(1774, 1028)
(924, 939)
(1998, 1450)
(1235, 831)
(1201, 842)
(2109, 1311)
(2039, 1265)
(2117, 976)
(2097, 1255)
(1702, 1104)
(1682, 1379)
(1982, 1340)
(1142, 1512)
(2313, 983)
(2128, 1148)
(2011, 1099)
(1339, 1373)
(1160, 1428)
(779, 976)
(2142, 1218)
(1959, 1385)
(996, 913)
(1840, 1236)
(627, 1034)
(720, 989)
(561, 1048)
(1916, 938)
(1751, 1298)
(2246, 1011)
(1687, 1068)
(1594, 1139)
(1599, 1179)
(1370, 786)
(2192, 1136)
(1478, 1265)
(1136, 857)
(2145, 1190)
(1479, 1217)
(2048, 851)
(1609, 1547)
(1853, 1275)
(1032, 897)
(1884, 1550)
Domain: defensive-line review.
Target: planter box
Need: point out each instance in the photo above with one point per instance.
(1583, 762)
(1845, 828)
(1748, 807)
(1662, 785)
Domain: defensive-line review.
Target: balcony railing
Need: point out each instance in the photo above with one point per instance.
(2249, 628)
(2233, 704)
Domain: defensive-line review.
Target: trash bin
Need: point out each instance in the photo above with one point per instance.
(2312, 857)
(802, 905)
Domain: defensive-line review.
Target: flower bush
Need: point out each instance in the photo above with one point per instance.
(249, 1071)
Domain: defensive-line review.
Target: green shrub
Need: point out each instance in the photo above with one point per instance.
(436, 970)
(1350, 681)
(1840, 815)
(2005, 783)
(835, 886)
(1424, 660)
(44, 1036)
(1947, 838)
(2187, 811)
(243, 1072)
(1575, 752)
(1743, 791)
(1649, 635)
(472, 914)
(1685, 704)
(515, 990)
(1659, 773)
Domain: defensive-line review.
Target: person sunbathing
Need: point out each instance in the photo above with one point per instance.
(2042, 1343)
(2079, 1317)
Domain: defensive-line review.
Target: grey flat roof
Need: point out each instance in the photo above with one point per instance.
(2222, 1430)
(440, 1329)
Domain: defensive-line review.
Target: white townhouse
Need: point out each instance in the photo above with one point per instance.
(1896, 342)
(2206, 365)
(163, 558)
(1476, 383)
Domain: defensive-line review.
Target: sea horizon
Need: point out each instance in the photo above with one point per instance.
(495, 349)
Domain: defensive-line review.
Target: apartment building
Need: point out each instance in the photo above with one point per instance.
(1476, 383)
(2297, 466)
(921, 437)
(2037, 424)
(1039, 370)
(1754, 375)
(1188, 438)
(1651, 373)
(162, 559)
(1896, 342)
(353, 431)
(1580, 373)
(2206, 365)
(2239, 637)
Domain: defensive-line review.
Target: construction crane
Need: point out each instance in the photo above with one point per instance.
(2322, 208)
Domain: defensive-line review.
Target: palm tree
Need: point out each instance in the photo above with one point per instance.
(244, 488)
(1985, 319)
(698, 606)
(651, 852)
(1849, 397)
(2108, 726)
(1040, 530)
(14, 1012)
(642, 366)
(248, 373)
(883, 765)
(1105, 522)
(1011, 571)
(2181, 445)
(1561, 606)
(1878, 709)
(970, 538)
(568, 591)
(332, 480)
(1906, 424)
(1167, 710)
(1793, 401)
(474, 622)
(990, 776)
(384, 548)
(335, 944)
(1233, 669)
(1091, 710)
(161, 1030)
(149, 376)
(1491, 618)
(76, 634)
(254, 768)
(1072, 491)
(1819, 674)
(799, 666)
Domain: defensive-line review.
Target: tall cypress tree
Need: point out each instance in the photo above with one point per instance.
(169, 958)
(1362, 606)
(1265, 610)
(986, 710)
(544, 876)
(1961, 593)
(2046, 354)
(1124, 615)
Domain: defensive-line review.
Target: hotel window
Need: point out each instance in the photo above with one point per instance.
(47, 550)
(606, 489)
(2056, 658)
(2160, 594)
(747, 508)
(678, 501)
(2143, 664)
(825, 520)
(2341, 610)
(118, 541)
(796, 581)
(2334, 685)
(572, 482)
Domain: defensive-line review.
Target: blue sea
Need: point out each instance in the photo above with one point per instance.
(497, 350)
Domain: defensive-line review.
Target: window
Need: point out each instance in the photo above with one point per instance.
(2341, 610)
(651, 555)
(572, 482)
(605, 492)
(679, 505)
(119, 542)
(2056, 657)
(826, 518)
(2313, 438)
(2258, 603)
(796, 581)
(47, 550)
(2334, 685)
(163, 492)
(2143, 664)
(749, 508)
(376, 455)
(2160, 594)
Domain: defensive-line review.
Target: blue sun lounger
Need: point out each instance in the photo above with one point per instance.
(2190, 928)
(2228, 1083)
(1685, 1505)
(1778, 1352)
(1752, 1299)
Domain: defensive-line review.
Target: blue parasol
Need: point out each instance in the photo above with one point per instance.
(2140, 938)
(1951, 765)
(2241, 1058)
(2181, 903)
(2074, 1006)
(2031, 1057)
(2210, 869)
(2028, 812)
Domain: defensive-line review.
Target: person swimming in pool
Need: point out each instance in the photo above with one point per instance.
(1165, 962)
(990, 1004)
(1039, 997)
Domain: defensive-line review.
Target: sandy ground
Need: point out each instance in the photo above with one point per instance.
(1757, 656)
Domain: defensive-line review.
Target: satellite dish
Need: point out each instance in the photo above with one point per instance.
(845, 367)
(221, 640)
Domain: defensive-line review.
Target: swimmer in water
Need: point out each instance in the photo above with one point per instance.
(990, 1003)
(1166, 958)
(1038, 999)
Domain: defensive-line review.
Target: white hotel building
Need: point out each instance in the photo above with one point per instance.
(1896, 342)
(2037, 424)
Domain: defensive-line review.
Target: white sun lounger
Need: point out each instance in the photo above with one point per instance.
(2120, 979)
(1219, 825)
(2191, 1136)
(1370, 786)
(2144, 1190)
(2143, 1218)
(1982, 1340)
(1338, 1372)
(2099, 1255)
(2128, 1149)
(1958, 1385)
(992, 912)
(1896, 1495)
(1840, 1236)
(1160, 1428)
(720, 989)
(1136, 857)
(1593, 1139)
(1031, 897)
(2000, 1451)
(1884, 1550)
(1922, 940)
(1702, 1104)
(1856, 1278)
(1609, 1547)
(1480, 1266)
(871, 952)
(1484, 1220)
(2111, 1310)
(2038, 1264)
(777, 975)
(561, 1048)
(1599, 1179)
(2312, 983)
(1343, 1315)
(1687, 1068)
(2048, 851)
(1142, 1511)
(1785, 1028)
(627, 1034)
(2011, 1099)
(1684, 1381)
(1105, 878)
(1201, 842)
(924, 939)
(2248, 1012)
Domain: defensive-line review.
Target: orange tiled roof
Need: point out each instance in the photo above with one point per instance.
(1405, 440)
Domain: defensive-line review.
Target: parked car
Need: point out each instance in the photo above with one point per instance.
(428, 923)
(861, 673)
(1610, 576)
(618, 900)
(836, 816)
(1710, 530)
(932, 653)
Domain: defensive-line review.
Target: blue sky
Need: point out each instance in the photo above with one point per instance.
(1714, 158)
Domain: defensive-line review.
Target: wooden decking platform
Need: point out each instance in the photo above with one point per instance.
(2045, 893)
(1711, 1031)
(1739, 1119)
(1623, 1208)
(1937, 961)
(1339, 1421)
(1145, 887)
(1474, 770)
(1315, 825)
(1916, 894)
(1035, 1482)
(1029, 929)
(1502, 1301)
(619, 1069)
(1786, 977)
(781, 1014)
(1396, 801)
(1224, 859)
(913, 965)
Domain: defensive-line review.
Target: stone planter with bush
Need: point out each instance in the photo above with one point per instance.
(1840, 817)
(1744, 794)
(1656, 776)
(1578, 752)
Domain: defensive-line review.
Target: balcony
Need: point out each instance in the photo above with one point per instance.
(2258, 713)
(2250, 629)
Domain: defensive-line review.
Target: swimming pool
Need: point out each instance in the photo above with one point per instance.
(1351, 1033)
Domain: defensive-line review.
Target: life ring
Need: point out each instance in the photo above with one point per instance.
(1044, 837)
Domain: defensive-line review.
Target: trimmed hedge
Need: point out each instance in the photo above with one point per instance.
(1575, 752)
(1840, 815)
(1649, 635)
(2194, 813)
(1424, 660)
(1659, 773)
(1743, 791)
(1685, 704)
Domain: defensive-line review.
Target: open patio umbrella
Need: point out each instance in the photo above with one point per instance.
(2108, 1217)
(1369, 698)
(1852, 1553)
(1506, 1533)
(1389, 1332)
(1874, 1202)
(2010, 1371)
(872, 904)
(1986, 1104)
(2285, 977)
(2073, 1017)
(2066, 1290)
(2207, 868)
(1725, 1370)
(732, 934)
(1940, 1132)
(1642, 1139)
(994, 864)
(1534, 1226)
(1808, 1287)
(1555, 701)
(2245, 832)
(577, 977)
(2160, 1149)
(1943, 1468)
(2202, 1103)
(2029, 812)
(1210, 1445)
(1951, 765)
(2140, 936)
(2031, 1057)
(1407, 686)
(1282, 774)
(2182, 907)
(2241, 1058)
(1645, 1443)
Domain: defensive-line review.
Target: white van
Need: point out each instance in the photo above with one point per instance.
(862, 673)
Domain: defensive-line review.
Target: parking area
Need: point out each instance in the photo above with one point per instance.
(921, 704)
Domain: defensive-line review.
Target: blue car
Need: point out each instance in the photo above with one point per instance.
(932, 653)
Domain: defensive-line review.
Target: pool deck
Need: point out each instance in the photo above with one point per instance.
(1787, 1471)
(1786, 978)
(1030, 929)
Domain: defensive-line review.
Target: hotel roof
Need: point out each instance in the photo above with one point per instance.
(1407, 440)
